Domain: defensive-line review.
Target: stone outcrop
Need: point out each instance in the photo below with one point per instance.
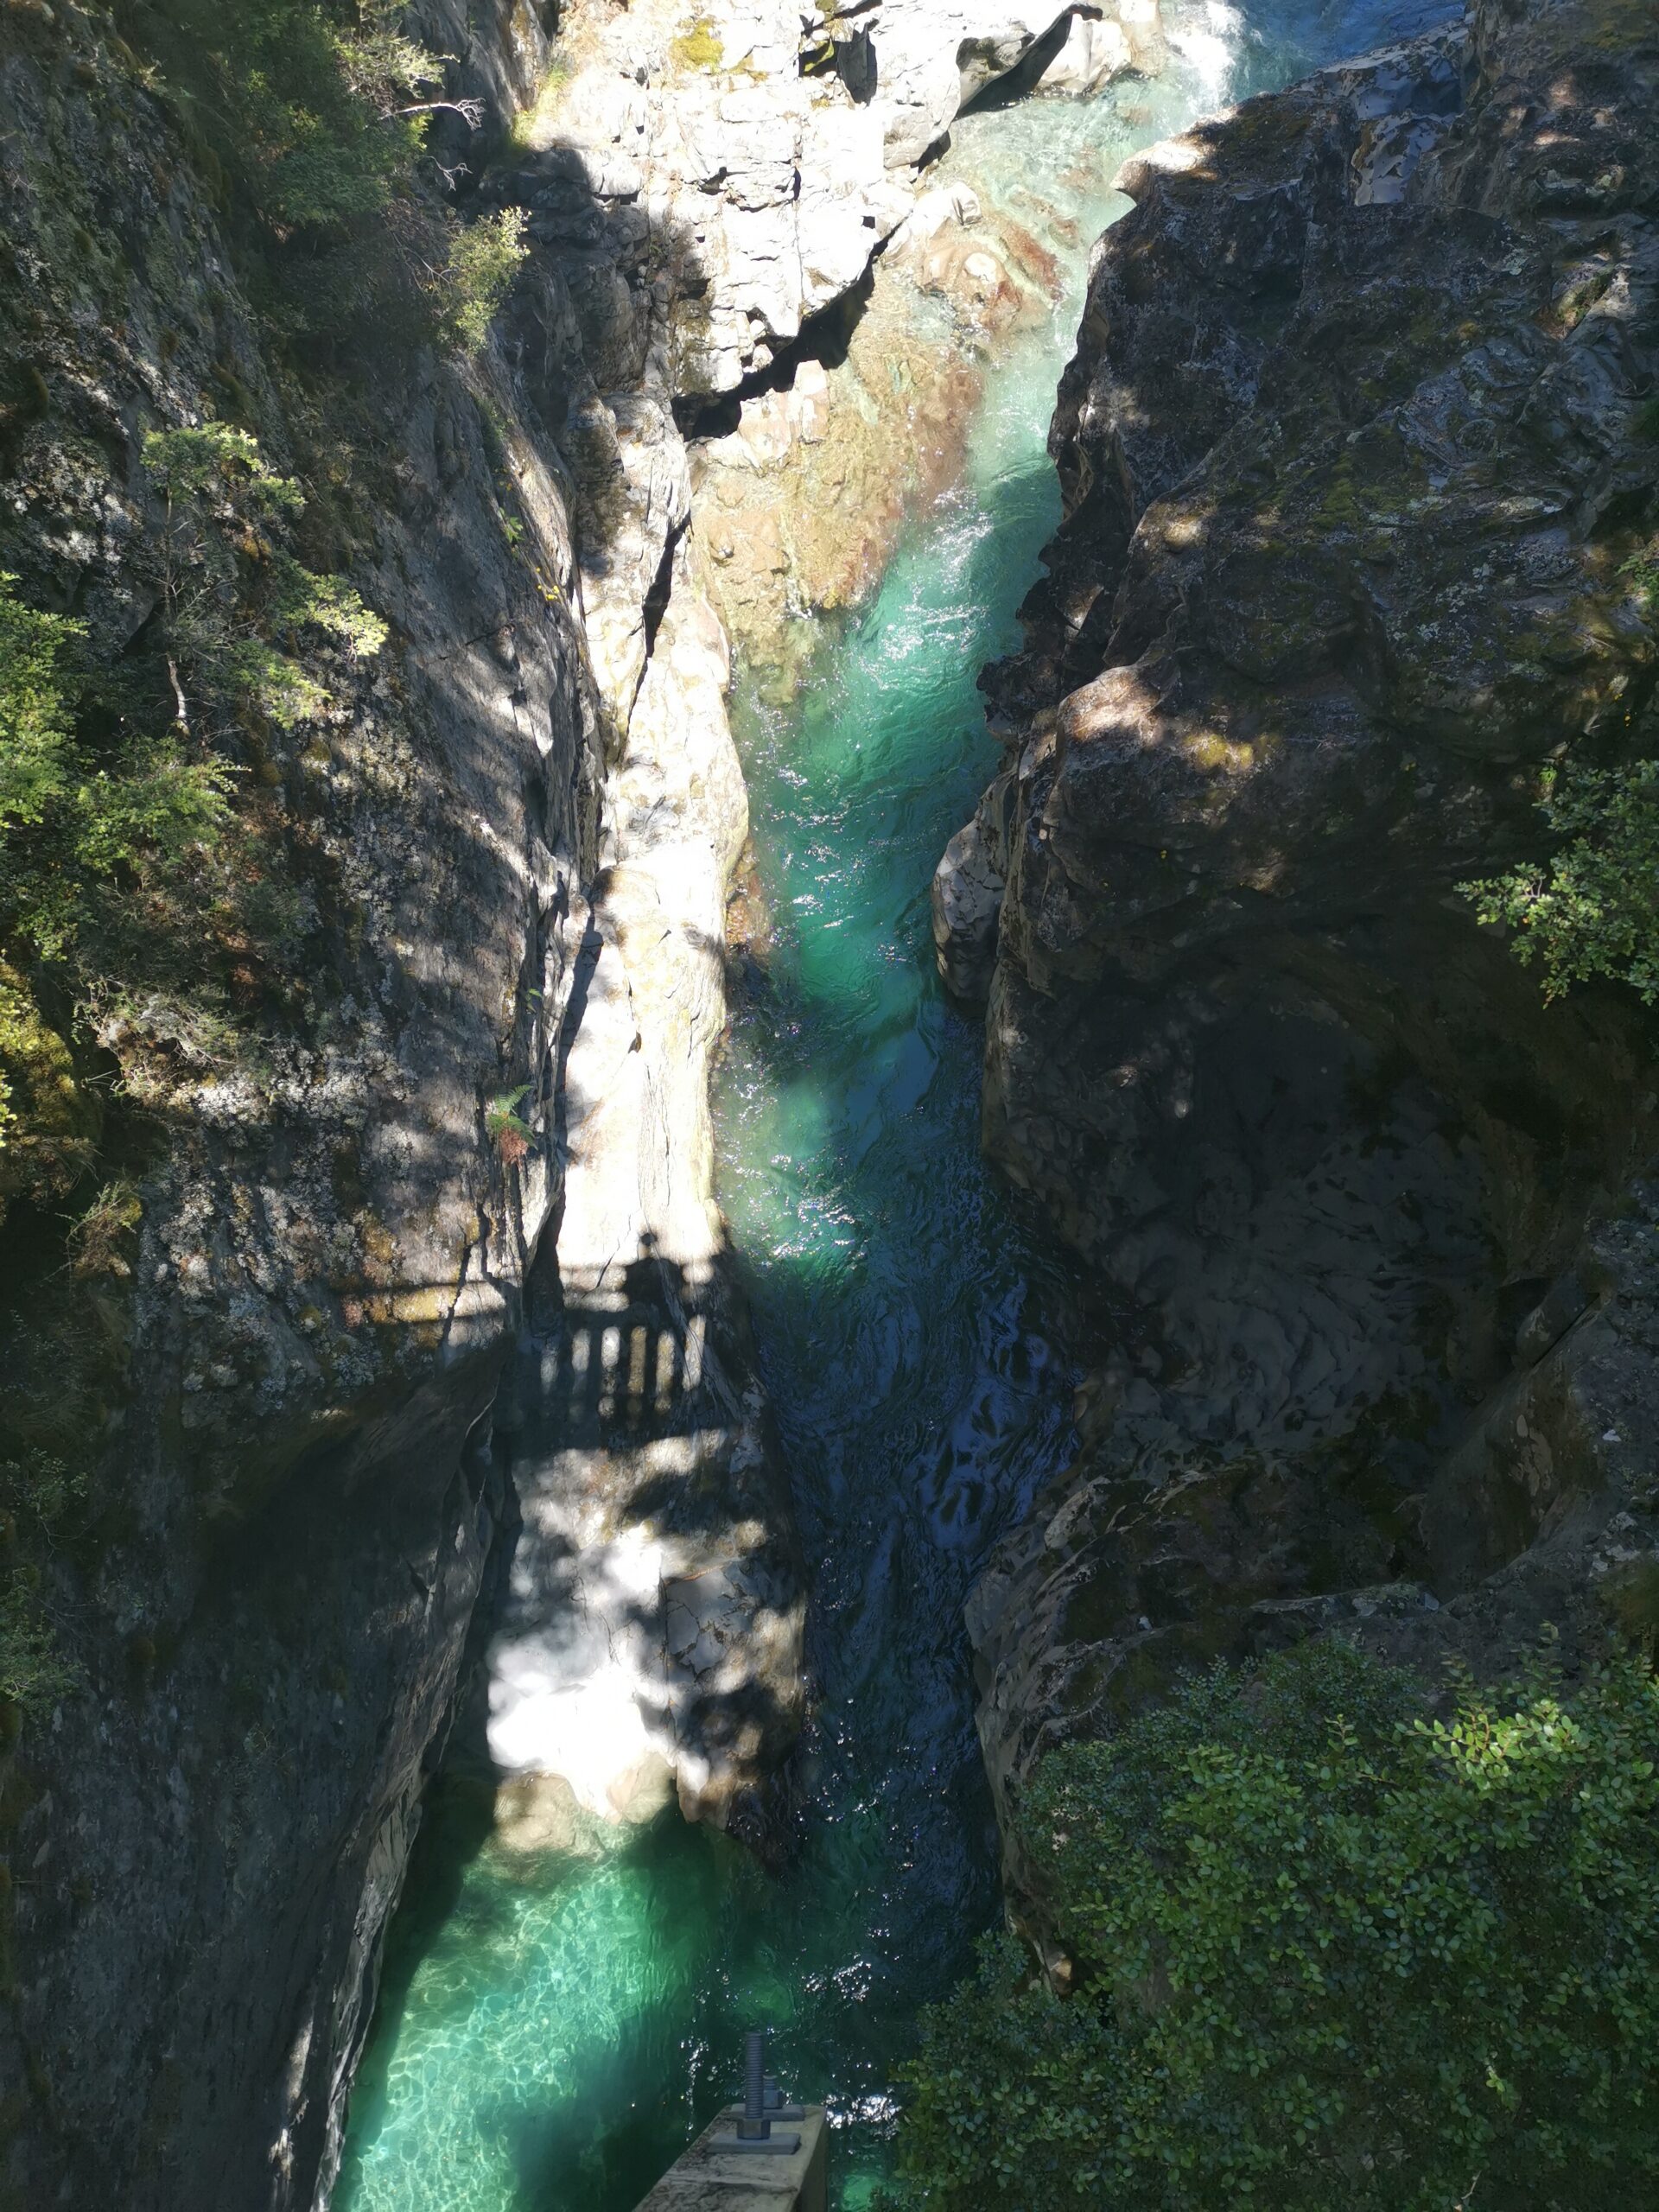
(798, 506)
(1354, 458)
(735, 172)
(499, 50)
(708, 192)
(924, 63)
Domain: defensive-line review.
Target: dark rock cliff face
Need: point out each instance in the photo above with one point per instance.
(1354, 455)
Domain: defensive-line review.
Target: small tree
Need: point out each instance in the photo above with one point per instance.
(1329, 1955)
(234, 600)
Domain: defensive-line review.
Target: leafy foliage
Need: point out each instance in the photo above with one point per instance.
(1328, 1952)
(505, 1127)
(125, 869)
(101, 1241)
(66, 817)
(38, 1500)
(484, 259)
(220, 565)
(1592, 909)
(291, 98)
(49, 1127)
(37, 1099)
(34, 715)
(311, 112)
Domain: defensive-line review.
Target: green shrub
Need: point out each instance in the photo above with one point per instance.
(1593, 908)
(128, 877)
(34, 730)
(511, 1135)
(39, 1499)
(34, 1672)
(103, 1239)
(290, 100)
(1328, 1954)
(484, 259)
(69, 816)
(49, 1121)
(236, 600)
(311, 115)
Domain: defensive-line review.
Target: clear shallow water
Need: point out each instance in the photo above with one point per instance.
(552, 2030)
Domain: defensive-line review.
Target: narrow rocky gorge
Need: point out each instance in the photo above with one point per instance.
(428, 1295)
(696, 197)
(409, 1396)
(1355, 462)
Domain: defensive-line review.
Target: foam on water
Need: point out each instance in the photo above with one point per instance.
(552, 2028)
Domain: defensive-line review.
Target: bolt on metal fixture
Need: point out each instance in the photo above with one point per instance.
(763, 2103)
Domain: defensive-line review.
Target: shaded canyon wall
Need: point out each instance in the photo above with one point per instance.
(1354, 460)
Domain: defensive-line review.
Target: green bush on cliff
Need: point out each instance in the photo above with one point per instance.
(34, 711)
(294, 102)
(235, 599)
(1591, 909)
(484, 259)
(128, 875)
(70, 815)
(310, 116)
(1328, 1953)
(84, 827)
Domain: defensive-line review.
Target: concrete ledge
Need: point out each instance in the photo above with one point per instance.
(713, 2177)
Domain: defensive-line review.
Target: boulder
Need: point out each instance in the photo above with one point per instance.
(967, 897)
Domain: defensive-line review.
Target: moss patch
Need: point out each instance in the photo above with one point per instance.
(698, 46)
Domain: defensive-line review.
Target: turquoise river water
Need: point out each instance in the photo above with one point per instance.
(551, 2034)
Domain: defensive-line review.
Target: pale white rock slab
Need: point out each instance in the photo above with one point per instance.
(651, 1637)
